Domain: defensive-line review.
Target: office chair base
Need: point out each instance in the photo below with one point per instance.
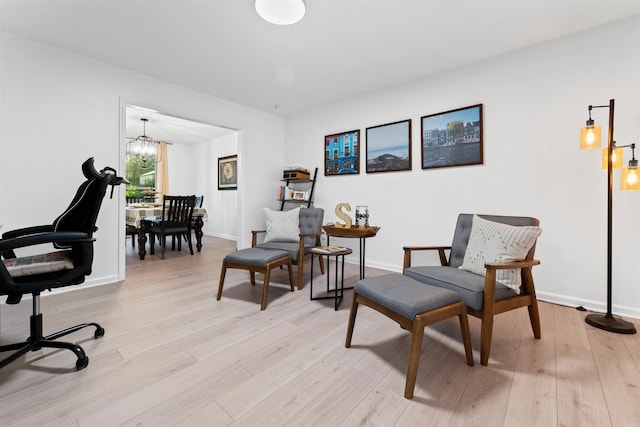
(37, 341)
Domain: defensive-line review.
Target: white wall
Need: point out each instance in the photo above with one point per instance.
(193, 169)
(57, 109)
(535, 102)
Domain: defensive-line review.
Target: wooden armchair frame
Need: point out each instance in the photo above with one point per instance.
(302, 256)
(490, 306)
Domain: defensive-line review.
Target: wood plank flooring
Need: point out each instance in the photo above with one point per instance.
(174, 356)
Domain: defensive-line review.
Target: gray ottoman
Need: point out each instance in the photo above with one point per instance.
(413, 305)
(256, 260)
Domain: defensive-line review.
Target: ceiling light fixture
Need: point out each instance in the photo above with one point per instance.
(143, 146)
(281, 12)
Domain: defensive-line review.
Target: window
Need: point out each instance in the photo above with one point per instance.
(141, 173)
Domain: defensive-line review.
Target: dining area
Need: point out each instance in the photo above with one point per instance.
(173, 221)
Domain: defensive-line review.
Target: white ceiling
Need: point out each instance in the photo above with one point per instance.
(161, 127)
(342, 48)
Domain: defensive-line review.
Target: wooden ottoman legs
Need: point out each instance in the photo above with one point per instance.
(266, 270)
(416, 326)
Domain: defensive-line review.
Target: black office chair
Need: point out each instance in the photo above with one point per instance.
(72, 236)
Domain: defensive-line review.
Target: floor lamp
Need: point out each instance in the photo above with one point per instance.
(629, 180)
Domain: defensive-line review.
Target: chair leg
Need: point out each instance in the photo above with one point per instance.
(152, 244)
(223, 272)
(265, 288)
(486, 331)
(300, 270)
(534, 318)
(352, 320)
(290, 268)
(189, 242)
(466, 335)
(414, 357)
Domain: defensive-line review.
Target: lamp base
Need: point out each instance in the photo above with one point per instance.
(610, 323)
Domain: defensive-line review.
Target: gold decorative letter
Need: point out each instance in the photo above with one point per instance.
(346, 218)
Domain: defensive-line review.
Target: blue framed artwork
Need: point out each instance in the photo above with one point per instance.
(389, 147)
(452, 138)
(342, 153)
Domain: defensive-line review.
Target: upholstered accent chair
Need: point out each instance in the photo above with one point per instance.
(296, 231)
(488, 285)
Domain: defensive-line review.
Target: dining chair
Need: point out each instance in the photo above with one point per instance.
(176, 221)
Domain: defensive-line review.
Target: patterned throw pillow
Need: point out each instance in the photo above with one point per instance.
(496, 242)
(283, 226)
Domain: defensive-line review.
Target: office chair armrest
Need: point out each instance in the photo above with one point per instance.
(26, 231)
(408, 250)
(38, 239)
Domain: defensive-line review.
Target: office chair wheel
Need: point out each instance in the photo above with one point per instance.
(99, 332)
(82, 363)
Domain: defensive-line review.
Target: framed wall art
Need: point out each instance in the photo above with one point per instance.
(452, 138)
(389, 147)
(342, 153)
(228, 172)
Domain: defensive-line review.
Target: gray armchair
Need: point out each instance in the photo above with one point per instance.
(310, 226)
(482, 293)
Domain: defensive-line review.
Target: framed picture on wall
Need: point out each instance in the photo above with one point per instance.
(228, 172)
(342, 153)
(389, 147)
(452, 138)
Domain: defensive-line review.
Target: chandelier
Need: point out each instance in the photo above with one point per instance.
(143, 146)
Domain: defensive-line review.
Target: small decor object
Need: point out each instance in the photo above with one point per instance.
(228, 173)
(452, 138)
(342, 153)
(296, 172)
(362, 216)
(389, 147)
(346, 218)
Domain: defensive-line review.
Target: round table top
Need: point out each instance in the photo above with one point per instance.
(353, 231)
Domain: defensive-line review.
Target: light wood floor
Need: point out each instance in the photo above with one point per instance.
(173, 355)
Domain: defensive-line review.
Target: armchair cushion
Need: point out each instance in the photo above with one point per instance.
(282, 226)
(292, 248)
(468, 285)
(491, 241)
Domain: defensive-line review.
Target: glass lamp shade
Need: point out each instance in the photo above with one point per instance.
(590, 137)
(630, 178)
(617, 158)
(281, 12)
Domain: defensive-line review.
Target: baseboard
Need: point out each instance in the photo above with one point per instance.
(591, 305)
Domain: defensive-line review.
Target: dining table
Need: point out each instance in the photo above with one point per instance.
(136, 213)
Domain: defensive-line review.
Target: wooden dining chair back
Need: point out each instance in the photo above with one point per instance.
(177, 217)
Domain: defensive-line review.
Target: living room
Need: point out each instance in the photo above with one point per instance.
(59, 108)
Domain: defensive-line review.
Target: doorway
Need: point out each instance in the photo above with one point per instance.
(193, 149)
